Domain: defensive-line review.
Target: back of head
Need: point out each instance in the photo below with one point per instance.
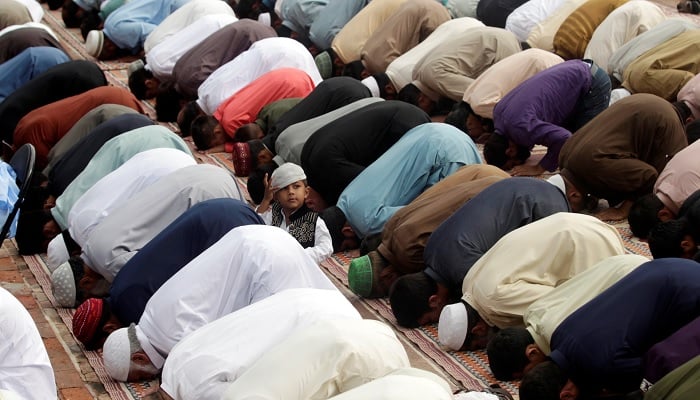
(91, 21)
(188, 114)
(70, 13)
(684, 112)
(643, 216)
(255, 183)
(256, 146)
(167, 102)
(692, 131)
(137, 82)
(495, 151)
(247, 132)
(409, 94)
(335, 220)
(506, 352)
(409, 296)
(354, 69)
(665, 238)
(30, 236)
(544, 382)
(457, 117)
(202, 130)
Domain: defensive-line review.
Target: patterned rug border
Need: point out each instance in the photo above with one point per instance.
(116, 390)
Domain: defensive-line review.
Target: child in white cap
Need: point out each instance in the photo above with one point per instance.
(284, 205)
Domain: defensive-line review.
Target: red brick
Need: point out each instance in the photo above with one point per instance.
(80, 393)
(10, 276)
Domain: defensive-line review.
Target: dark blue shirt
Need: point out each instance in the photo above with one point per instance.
(602, 343)
(474, 228)
(178, 244)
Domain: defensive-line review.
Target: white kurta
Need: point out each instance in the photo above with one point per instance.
(162, 57)
(542, 34)
(499, 79)
(544, 315)
(35, 9)
(204, 364)
(130, 227)
(322, 360)
(183, 17)
(119, 186)
(400, 71)
(619, 27)
(25, 368)
(323, 244)
(263, 56)
(248, 264)
(404, 384)
(531, 261)
(524, 18)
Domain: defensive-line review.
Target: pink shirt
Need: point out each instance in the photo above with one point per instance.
(680, 178)
(690, 95)
(243, 107)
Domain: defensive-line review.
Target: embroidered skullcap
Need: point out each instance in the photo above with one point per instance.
(57, 253)
(453, 326)
(241, 157)
(285, 175)
(324, 63)
(116, 353)
(86, 320)
(63, 283)
(372, 85)
(94, 42)
(363, 275)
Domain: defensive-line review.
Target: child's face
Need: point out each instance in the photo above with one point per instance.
(292, 196)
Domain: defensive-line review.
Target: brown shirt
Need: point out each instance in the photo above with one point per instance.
(576, 31)
(619, 154)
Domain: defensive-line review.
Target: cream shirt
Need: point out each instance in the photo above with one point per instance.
(544, 315)
(322, 360)
(619, 27)
(404, 384)
(529, 262)
(203, 365)
(400, 71)
(524, 18)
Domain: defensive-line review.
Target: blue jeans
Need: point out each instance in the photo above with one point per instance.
(595, 101)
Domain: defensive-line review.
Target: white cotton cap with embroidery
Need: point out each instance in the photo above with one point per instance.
(94, 42)
(63, 284)
(453, 325)
(116, 353)
(286, 174)
(372, 85)
(475, 396)
(57, 253)
(265, 19)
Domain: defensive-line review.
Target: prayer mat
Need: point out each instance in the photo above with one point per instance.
(117, 390)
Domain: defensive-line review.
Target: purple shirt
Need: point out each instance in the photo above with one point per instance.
(672, 352)
(537, 109)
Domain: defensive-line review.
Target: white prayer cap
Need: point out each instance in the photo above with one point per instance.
(116, 353)
(286, 174)
(57, 253)
(265, 19)
(475, 396)
(63, 283)
(453, 326)
(94, 42)
(9, 395)
(372, 85)
(618, 94)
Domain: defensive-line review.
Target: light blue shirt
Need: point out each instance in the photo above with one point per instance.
(424, 156)
(23, 67)
(9, 193)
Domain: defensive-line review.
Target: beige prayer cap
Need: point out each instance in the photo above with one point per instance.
(285, 175)
(453, 326)
(63, 283)
(94, 42)
(116, 352)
